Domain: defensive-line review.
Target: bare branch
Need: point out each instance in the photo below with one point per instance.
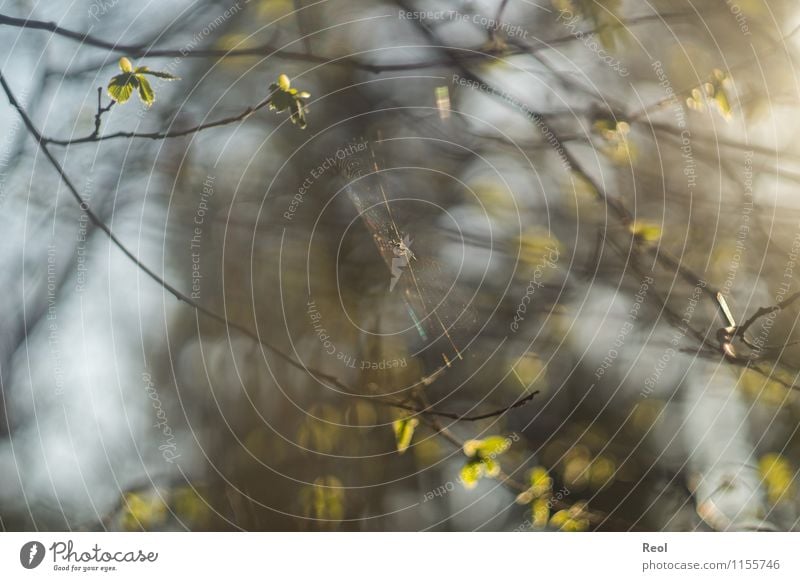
(94, 137)
(267, 50)
(100, 111)
(428, 410)
(270, 50)
(764, 311)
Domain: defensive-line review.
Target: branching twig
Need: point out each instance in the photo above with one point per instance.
(764, 311)
(155, 135)
(269, 50)
(727, 334)
(266, 50)
(100, 111)
(428, 410)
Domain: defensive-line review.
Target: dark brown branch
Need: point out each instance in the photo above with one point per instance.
(764, 311)
(100, 111)
(428, 410)
(269, 50)
(741, 330)
(726, 335)
(92, 138)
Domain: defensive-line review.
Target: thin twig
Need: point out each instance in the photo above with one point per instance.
(269, 50)
(156, 135)
(468, 418)
(764, 311)
(100, 111)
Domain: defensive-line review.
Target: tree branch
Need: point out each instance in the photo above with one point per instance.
(94, 137)
(269, 50)
(428, 410)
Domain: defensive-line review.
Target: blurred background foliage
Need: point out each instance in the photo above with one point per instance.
(589, 278)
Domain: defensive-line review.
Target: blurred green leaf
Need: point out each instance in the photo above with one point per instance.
(778, 477)
(471, 473)
(404, 432)
(713, 93)
(540, 512)
(283, 97)
(191, 507)
(541, 482)
(125, 65)
(482, 463)
(324, 499)
(143, 511)
(573, 519)
(645, 230)
(487, 448)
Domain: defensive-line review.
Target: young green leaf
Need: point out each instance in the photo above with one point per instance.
(541, 486)
(324, 499)
(283, 97)
(491, 468)
(488, 448)
(714, 93)
(778, 477)
(478, 468)
(121, 86)
(540, 512)
(541, 482)
(146, 93)
(471, 473)
(573, 519)
(159, 74)
(482, 462)
(645, 231)
(494, 446)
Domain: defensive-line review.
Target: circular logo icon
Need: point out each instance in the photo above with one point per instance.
(31, 554)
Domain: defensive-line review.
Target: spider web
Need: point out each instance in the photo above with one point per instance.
(415, 276)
